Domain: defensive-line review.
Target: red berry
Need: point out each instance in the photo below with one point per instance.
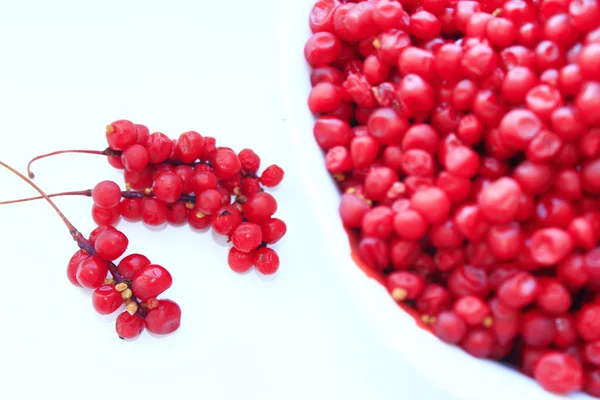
(131, 264)
(247, 237)
(164, 319)
(74, 262)
(91, 272)
(129, 326)
(250, 160)
(121, 134)
(239, 261)
(266, 261)
(111, 244)
(159, 147)
(106, 194)
(189, 147)
(106, 299)
(559, 373)
(150, 281)
(259, 208)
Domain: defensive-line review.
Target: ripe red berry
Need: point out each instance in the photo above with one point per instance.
(121, 134)
(111, 244)
(250, 160)
(106, 299)
(129, 326)
(131, 264)
(259, 208)
(189, 147)
(239, 261)
(266, 261)
(74, 262)
(272, 176)
(226, 220)
(164, 319)
(135, 158)
(106, 194)
(559, 373)
(150, 281)
(247, 237)
(91, 272)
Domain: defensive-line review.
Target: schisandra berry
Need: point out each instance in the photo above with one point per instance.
(150, 281)
(74, 262)
(164, 319)
(106, 194)
(239, 261)
(106, 299)
(247, 237)
(129, 326)
(121, 134)
(91, 272)
(272, 176)
(131, 264)
(266, 261)
(111, 244)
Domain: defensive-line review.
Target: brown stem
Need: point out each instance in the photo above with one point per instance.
(127, 194)
(107, 152)
(82, 242)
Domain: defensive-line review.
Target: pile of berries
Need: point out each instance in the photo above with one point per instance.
(465, 137)
(175, 181)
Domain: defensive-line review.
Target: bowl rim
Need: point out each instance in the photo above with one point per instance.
(452, 370)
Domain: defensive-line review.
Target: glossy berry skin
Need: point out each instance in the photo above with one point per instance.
(150, 281)
(91, 272)
(111, 244)
(239, 261)
(272, 176)
(260, 207)
(164, 319)
(106, 194)
(135, 158)
(559, 373)
(131, 209)
(226, 164)
(226, 220)
(73, 264)
(587, 322)
(189, 147)
(106, 299)
(247, 237)
(131, 264)
(154, 211)
(249, 159)
(129, 326)
(106, 216)
(121, 134)
(273, 230)
(167, 187)
(266, 261)
(449, 327)
(159, 147)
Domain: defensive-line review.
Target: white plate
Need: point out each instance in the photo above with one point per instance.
(449, 367)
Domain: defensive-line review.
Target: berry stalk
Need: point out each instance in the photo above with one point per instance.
(81, 241)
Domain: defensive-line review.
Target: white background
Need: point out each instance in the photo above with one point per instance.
(230, 69)
(68, 69)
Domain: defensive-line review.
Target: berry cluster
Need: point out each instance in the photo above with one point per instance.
(465, 137)
(187, 180)
(190, 180)
(135, 279)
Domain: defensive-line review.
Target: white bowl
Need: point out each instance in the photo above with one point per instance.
(460, 375)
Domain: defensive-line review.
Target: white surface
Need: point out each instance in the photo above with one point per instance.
(318, 329)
